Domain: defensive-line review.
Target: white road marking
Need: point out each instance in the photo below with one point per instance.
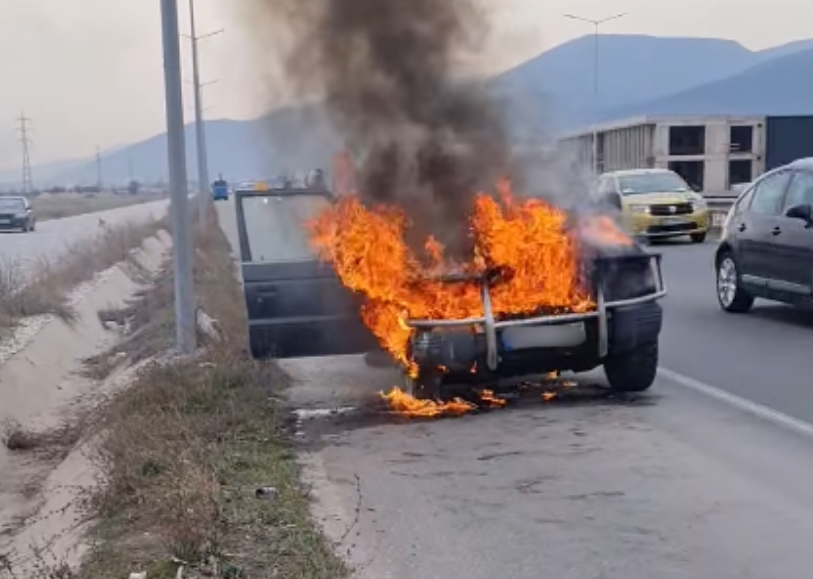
(753, 408)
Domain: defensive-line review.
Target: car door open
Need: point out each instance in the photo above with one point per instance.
(296, 305)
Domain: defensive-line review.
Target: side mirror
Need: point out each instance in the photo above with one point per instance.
(803, 212)
(696, 188)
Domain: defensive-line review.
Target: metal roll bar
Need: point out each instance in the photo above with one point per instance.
(491, 325)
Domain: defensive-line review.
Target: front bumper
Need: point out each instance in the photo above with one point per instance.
(486, 347)
(644, 225)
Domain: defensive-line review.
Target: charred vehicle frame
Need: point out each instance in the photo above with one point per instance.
(621, 334)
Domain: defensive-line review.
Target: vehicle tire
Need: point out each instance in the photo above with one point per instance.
(698, 237)
(731, 296)
(632, 371)
(427, 385)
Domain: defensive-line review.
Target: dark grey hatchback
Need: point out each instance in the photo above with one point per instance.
(16, 213)
(766, 250)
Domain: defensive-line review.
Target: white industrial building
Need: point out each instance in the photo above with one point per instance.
(711, 152)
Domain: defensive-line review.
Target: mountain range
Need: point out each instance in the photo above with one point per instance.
(553, 92)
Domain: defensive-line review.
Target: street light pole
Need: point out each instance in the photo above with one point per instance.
(596, 24)
(200, 129)
(185, 322)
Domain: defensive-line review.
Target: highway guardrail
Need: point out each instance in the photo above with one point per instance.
(719, 207)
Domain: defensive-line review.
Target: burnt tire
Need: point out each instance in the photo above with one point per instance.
(731, 296)
(427, 385)
(698, 237)
(634, 370)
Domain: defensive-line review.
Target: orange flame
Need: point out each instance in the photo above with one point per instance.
(528, 239)
(488, 398)
(406, 405)
(602, 229)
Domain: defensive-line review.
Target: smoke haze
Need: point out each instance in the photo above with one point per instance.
(386, 71)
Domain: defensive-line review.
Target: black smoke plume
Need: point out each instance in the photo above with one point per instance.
(386, 71)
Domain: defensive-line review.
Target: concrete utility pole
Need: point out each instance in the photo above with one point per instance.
(25, 142)
(99, 182)
(596, 24)
(185, 322)
(200, 129)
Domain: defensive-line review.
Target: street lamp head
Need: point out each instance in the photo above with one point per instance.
(592, 21)
(574, 17)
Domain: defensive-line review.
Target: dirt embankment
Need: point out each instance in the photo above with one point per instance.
(179, 463)
(43, 394)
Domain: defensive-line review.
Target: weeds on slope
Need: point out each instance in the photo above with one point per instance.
(44, 287)
(187, 446)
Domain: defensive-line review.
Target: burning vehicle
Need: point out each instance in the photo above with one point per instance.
(540, 291)
(423, 248)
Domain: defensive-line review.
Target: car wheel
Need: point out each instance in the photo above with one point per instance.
(632, 371)
(426, 386)
(731, 296)
(698, 237)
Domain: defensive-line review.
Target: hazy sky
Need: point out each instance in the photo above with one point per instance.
(90, 72)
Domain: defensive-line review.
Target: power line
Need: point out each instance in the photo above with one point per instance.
(26, 143)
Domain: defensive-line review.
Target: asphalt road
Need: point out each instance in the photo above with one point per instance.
(52, 238)
(671, 484)
(765, 356)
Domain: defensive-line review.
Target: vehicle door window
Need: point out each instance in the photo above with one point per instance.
(276, 226)
(768, 194)
(800, 190)
(743, 202)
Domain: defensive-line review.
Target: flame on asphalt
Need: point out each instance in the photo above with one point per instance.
(404, 404)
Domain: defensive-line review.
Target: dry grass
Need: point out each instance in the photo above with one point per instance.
(56, 206)
(187, 445)
(45, 288)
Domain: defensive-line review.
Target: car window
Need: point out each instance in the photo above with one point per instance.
(767, 196)
(276, 227)
(800, 190)
(744, 201)
(654, 182)
(12, 204)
